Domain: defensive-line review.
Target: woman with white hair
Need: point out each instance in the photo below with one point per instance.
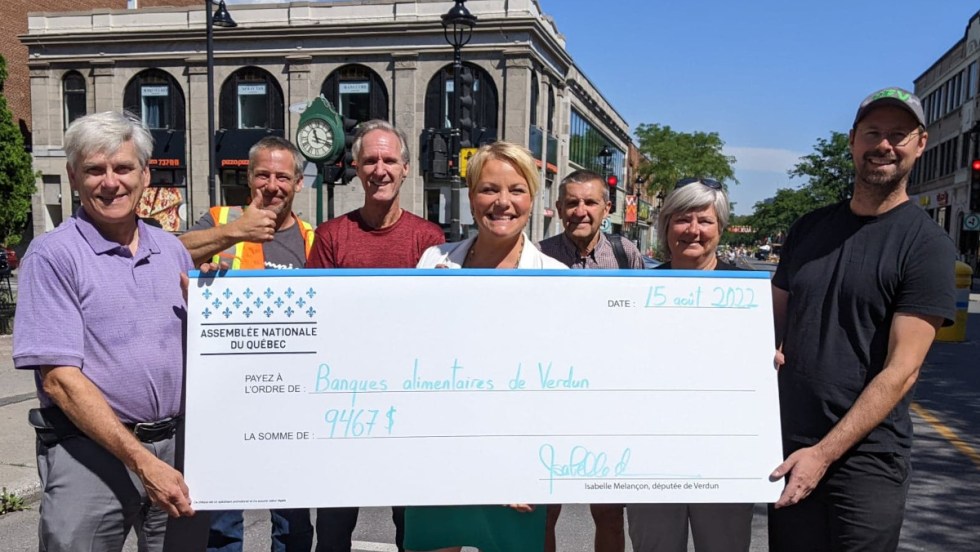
(690, 225)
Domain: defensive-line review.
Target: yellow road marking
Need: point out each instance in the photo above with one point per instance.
(947, 433)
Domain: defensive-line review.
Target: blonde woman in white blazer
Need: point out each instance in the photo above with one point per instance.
(502, 182)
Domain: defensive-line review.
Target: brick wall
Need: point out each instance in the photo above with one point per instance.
(13, 23)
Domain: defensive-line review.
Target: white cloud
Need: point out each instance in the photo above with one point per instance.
(763, 159)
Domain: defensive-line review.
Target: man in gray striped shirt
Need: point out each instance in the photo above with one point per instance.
(583, 203)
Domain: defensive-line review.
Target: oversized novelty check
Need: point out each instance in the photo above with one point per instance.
(412, 387)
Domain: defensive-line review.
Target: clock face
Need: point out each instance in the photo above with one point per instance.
(314, 139)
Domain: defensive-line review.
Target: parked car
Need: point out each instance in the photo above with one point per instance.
(650, 262)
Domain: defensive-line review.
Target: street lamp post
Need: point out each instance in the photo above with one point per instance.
(457, 25)
(606, 157)
(221, 18)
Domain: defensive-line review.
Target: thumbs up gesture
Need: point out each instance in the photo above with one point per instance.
(257, 223)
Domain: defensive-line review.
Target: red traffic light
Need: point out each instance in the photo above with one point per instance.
(976, 164)
(613, 181)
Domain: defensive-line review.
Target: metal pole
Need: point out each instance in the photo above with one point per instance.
(455, 182)
(213, 191)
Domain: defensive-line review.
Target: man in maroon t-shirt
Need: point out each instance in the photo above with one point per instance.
(378, 235)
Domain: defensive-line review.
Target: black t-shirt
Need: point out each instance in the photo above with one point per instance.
(847, 275)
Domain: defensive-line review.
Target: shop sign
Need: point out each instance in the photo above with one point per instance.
(355, 87)
(644, 212)
(148, 91)
(164, 162)
(251, 89)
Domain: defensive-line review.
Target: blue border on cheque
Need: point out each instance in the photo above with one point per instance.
(440, 272)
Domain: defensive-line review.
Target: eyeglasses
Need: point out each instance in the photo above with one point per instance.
(897, 139)
(709, 182)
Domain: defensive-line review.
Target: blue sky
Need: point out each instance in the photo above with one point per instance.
(769, 76)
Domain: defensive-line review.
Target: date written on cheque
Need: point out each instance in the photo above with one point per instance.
(719, 297)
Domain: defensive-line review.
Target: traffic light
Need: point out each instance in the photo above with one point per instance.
(467, 120)
(975, 186)
(348, 171)
(613, 182)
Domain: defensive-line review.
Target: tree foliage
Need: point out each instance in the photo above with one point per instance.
(772, 218)
(674, 155)
(16, 173)
(829, 171)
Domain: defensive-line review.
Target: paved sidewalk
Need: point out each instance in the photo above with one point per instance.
(18, 467)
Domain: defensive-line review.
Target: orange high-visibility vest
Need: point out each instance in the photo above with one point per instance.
(248, 255)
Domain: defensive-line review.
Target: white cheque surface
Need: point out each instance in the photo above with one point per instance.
(410, 387)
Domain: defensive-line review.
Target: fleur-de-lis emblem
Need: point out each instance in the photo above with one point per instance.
(268, 312)
(268, 293)
(248, 293)
(237, 303)
(311, 312)
(206, 294)
(289, 293)
(311, 293)
(216, 303)
(227, 294)
(226, 312)
(247, 312)
(279, 302)
(258, 303)
(289, 312)
(207, 313)
(300, 303)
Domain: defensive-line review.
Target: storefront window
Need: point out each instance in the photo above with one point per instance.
(252, 111)
(73, 88)
(155, 104)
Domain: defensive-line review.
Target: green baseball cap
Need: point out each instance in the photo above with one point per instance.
(892, 96)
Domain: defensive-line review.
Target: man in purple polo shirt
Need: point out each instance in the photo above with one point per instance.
(100, 319)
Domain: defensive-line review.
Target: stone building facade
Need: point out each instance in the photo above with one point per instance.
(371, 58)
(940, 182)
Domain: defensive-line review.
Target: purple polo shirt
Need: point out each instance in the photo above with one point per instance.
(88, 302)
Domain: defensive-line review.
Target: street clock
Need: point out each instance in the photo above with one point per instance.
(320, 132)
(315, 139)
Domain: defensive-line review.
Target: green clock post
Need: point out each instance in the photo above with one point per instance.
(320, 138)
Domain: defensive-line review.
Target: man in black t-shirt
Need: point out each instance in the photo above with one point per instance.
(860, 290)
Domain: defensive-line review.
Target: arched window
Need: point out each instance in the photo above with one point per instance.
(438, 102)
(73, 90)
(251, 99)
(357, 92)
(156, 98)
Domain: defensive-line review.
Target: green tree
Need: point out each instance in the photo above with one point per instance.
(16, 173)
(674, 155)
(829, 169)
(829, 174)
(773, 217)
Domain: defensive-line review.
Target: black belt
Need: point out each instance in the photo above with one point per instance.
(53, 426)
(151, 432)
